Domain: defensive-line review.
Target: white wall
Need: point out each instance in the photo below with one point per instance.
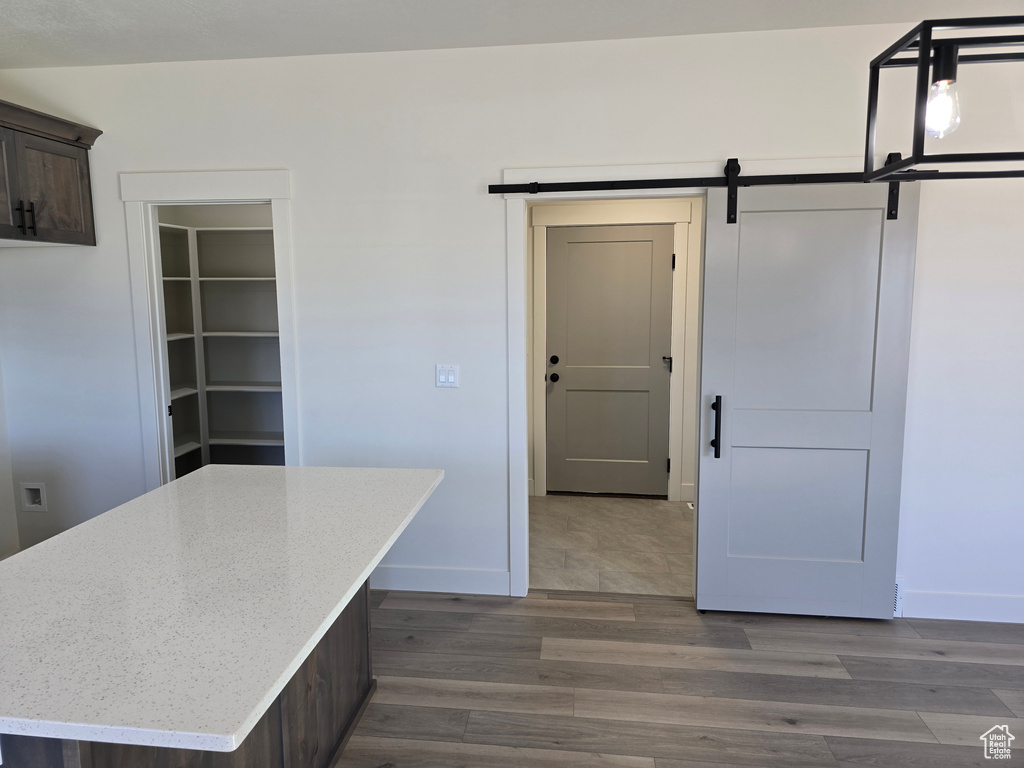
(962, 517)
(400, 263)
(8, 510)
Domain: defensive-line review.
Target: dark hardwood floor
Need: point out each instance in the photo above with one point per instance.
(577, 682)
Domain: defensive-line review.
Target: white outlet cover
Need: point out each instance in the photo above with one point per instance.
(28, 497)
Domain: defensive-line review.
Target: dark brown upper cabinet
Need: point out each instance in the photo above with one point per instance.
(45, 194)
(8, 184)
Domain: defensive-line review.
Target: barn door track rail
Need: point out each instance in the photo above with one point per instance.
(933, 47)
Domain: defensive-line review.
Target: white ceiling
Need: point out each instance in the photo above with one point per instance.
(48, 33)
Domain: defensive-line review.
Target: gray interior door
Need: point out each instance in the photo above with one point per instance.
(609, 323)
(806, 333)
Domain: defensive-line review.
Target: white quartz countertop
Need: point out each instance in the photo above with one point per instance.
(176, 619)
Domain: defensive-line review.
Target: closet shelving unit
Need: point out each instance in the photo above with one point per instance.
(223, 347)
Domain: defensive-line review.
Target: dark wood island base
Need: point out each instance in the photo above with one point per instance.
(307, 726)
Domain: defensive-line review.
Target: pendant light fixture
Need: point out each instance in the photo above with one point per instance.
(935, 49)
(943, 113)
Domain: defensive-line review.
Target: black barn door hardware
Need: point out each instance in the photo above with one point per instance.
(892, 206)
(716, 443)
(696, 182)
(732, 175)
(935, 54)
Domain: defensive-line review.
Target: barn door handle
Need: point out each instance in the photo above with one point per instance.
(21, 217)
(668, 359)
(32, 209)
(717, 442)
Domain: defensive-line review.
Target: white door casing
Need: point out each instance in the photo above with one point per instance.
(142, 193)
(522, 363)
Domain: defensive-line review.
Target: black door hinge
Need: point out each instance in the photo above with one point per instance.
(673, 261)
(168, 410)
(668, 465)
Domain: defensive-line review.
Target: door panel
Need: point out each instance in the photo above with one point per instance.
(606, 425)
(806, 339)
(608, 290)
(798, 503)
(9, 219)
(609, 319)
(55, 180)
(781, 362)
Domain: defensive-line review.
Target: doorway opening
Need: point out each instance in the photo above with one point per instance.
(221, 357)
(210, 260)
(613, 309)
(805, 339)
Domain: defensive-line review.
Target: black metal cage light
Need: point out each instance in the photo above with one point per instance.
(936, 106)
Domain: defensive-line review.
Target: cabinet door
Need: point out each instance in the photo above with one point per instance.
(54, 179)
(9, 218)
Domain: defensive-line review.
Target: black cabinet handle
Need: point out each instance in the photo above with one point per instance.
(32, 209)
(717, 442)
(554, 359)
(669, 361)
(21, 217)
(554, 377)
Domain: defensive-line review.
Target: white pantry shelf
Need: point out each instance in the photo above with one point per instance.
(243, 386)
(186, 446)
(237, 279)
(234, 229)
(244, 334)
(247, 438)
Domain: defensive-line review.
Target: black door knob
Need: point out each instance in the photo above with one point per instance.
(554, 359)
(554, 377)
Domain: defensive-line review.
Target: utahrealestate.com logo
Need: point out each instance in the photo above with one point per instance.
(997, 742)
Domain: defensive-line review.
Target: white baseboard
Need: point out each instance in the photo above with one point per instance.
(966, 607)
(459, 580)
(531, 487)
(686, 492)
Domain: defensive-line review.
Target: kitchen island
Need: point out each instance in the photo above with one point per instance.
(220, 620)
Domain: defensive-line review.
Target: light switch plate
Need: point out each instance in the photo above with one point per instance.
(446, 376)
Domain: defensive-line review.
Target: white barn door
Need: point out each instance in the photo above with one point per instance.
(806, 334)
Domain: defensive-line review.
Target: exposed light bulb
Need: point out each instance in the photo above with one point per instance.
(943, 116)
